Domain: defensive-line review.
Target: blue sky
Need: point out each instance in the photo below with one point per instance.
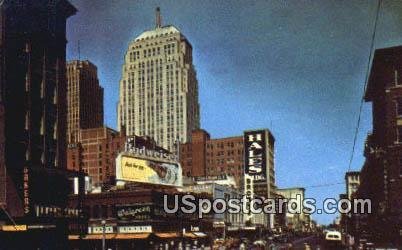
(295, 67)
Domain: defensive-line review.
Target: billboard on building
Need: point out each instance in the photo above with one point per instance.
(132, 168)
(255, 154)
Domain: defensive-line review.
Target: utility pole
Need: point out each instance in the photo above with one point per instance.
(103, 235)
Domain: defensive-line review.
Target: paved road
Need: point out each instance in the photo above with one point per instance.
(311, 242)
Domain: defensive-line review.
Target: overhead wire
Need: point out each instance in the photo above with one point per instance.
(365, 84)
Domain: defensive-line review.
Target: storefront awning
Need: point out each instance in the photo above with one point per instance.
(194, 235)
(116, 236)
(167, 235)
(122, 236)
(200, 234)
(132, 236)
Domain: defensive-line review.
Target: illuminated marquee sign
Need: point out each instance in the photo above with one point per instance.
(11, 228)
(255, 154)
(99, 230)
(135, 229)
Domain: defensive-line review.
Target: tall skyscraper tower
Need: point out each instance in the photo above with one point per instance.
(84, 98)
(159, 88)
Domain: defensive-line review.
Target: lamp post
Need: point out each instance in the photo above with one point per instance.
(103, 234)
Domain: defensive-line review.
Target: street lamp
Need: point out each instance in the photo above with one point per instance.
(103, 234)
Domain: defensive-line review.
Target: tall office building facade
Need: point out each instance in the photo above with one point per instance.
(204, 156)
(33, 122)
(159, 88)
(84, 98)
(33, 91)
(259, 168)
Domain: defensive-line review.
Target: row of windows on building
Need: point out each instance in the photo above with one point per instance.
(224, 161)
(168, 49)
(229, 170)
(223, 153)
(400, 166)
(147, 121)
(149, 78)
(153, 64)
(150, 90)
(223, 144)
(219, 153)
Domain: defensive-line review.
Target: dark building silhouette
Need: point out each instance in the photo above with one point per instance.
(381, 175)
(3, 182)
(33, 92)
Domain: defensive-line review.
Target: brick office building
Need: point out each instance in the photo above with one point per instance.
(96, 152)
(84, 98)
(204, 156)
(380, 178)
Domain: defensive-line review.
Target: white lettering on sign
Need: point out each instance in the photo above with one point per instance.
(99, 230)
(130, 147)
(255, 156)
(133, 211)
(135, 229)
(26, 191)
(256, 137)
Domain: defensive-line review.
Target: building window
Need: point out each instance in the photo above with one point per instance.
(399, 107)
(104, 211)
(400, 167)
(96, 211)
(399, 134)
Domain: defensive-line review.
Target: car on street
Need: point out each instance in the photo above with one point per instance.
(333, 239)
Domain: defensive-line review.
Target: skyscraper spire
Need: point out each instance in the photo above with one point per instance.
(158, 18)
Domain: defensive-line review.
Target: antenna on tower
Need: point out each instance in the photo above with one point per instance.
(158, 17)
(79, 51)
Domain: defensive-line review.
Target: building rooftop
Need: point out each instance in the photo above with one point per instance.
(384, 62)
(158, 32)
(291, 188)
(60, 5)
(352, 173)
